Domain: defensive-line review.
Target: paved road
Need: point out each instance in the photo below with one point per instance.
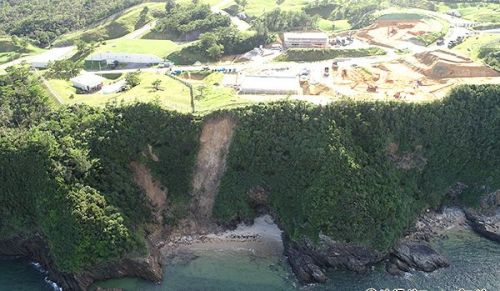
(54, 53)
(141, 31)
(217, 8)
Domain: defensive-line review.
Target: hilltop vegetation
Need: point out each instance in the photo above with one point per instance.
(188, 21)
(119, 26)
(43, 21)
(359, 172)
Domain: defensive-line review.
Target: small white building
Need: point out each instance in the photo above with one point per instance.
(305, 40)
(272, 85)
(124, 58)
(88, 82)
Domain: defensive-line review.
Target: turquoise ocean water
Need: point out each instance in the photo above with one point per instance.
(475, 264)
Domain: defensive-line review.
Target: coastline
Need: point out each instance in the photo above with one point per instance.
(262, 238)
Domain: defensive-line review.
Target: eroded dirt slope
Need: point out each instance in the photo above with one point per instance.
(215, 140)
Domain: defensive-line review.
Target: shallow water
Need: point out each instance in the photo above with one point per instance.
(475, 264)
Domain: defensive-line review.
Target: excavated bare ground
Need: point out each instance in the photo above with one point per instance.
(442, 64)
(393, 33)
(215, 139)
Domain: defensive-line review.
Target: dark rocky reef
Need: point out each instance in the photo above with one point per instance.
(35, 248)
(485, 226)
(309, 261)
(412, 255)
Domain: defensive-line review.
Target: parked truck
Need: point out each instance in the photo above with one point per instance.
(326, 72)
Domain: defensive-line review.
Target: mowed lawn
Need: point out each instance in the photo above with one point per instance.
(172, 94)
(337, 25)
(161, 48)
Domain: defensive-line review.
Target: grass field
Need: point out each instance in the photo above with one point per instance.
(122, 25)
(173, 95)
(472, 45)
(337, 25)
(259, 7)
(161, 48)
(9, 51)
(480, 12)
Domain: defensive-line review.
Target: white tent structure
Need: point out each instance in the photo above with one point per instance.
(305, 40)
(272, 85)
(88, 82)
(110, 58)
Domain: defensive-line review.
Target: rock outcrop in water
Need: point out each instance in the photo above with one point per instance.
(309, 261)
(419, 256)
(486, 226)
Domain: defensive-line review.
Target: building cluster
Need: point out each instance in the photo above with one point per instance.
(305, 40)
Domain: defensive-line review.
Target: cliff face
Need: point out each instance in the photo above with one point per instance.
(35, 248)
(344, 182)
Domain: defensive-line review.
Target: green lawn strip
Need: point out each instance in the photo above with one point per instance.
(160, 48)
(313, 55)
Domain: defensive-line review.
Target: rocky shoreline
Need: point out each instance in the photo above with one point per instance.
(35, 248)
(412, 253)
(309, 261)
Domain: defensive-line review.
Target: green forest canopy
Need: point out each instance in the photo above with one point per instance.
(357, 171)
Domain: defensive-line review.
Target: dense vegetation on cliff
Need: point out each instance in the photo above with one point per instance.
(359, 172)
(65, 173)
(42, 22)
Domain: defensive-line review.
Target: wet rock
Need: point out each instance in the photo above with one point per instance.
(486, 226)
(308, 261)
(416, 255)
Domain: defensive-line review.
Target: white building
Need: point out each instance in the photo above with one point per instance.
(88, 82)
(56, 54)
(305, 40)
(272, 85)
(124, 58)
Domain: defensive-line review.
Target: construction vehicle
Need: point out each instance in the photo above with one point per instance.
(344, 74)
(326, 73)
(335, 65)
(371, 88)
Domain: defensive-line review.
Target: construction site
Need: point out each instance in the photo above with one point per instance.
(420, 77)
(420, 73)
(399, 33)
